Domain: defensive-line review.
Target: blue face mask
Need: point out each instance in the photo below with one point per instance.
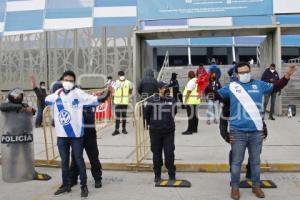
(245, 78)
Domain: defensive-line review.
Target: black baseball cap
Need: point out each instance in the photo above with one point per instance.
(162, 84)
(121, 73)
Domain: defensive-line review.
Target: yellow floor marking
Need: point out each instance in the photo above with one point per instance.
(266, 183)
(164, 183)
(250, 183)
(177, 183)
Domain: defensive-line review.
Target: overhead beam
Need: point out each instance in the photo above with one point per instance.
(205, 32)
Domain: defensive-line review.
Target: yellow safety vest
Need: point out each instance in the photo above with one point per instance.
(121, 94)
(194, 98)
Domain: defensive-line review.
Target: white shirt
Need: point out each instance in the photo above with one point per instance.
(68, 111)
(191, 85)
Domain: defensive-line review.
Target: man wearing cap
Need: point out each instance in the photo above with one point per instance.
(122, 91)
(159, 113)
(175, 86)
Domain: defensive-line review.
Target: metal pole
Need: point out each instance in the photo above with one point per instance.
(189, 52)
(47, 60)
(233, 49)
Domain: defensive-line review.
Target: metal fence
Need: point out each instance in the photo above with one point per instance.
(46, 55)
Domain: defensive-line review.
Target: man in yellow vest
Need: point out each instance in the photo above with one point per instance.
(191, 100)
(122, 91)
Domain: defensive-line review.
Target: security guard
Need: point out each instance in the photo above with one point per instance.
(122, 91)
(191, 100)
(160, 111)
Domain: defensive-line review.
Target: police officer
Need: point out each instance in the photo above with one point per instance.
(191, 100)
(160, 112)
(122, 91)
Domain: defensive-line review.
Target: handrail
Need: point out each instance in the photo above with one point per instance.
(142, 136)
(294, 60)
(47, 126)
(165, 64)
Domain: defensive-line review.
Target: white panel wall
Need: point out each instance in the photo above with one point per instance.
(286, 6)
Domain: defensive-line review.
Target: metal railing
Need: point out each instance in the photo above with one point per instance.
(48, 135)
(162, 70)
(49, 132)
(295, 60)
(142, 137)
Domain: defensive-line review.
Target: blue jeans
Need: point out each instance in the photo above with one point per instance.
(252, 141)
(64, 144)
(212, 112)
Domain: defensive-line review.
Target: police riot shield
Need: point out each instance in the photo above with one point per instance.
(17, 147)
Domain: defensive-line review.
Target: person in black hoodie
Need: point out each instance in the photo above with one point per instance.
(160, 112)
(270, 75)
(148, 85)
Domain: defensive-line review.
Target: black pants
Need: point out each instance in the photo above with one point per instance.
(121, 111)
(192, 114)
(91, 149)
(163, 142)
(39, 116)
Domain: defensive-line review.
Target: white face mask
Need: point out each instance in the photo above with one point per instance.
(67, 85)
(245, 78)
(272, 70)
(122, 78)
(43, 87)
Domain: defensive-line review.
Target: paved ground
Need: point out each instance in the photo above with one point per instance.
(136, 186)
(207, 146)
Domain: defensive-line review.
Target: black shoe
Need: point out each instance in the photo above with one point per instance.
(186, 133)
(271, 118)
(62, 190)
(116, 132)
(73, 183)
(84, 192)
(98, 184)
(124, 131)
(248, 176)
(157, 179)
(172, 177)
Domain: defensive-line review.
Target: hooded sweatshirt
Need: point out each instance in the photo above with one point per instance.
(148, 85)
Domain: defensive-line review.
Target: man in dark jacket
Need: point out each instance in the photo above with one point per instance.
(175, 86)
(270, 75)
(41, 94)
(160, 112)
(148, 85)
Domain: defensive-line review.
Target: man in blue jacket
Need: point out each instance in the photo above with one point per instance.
(270, 75)
(246, 124)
